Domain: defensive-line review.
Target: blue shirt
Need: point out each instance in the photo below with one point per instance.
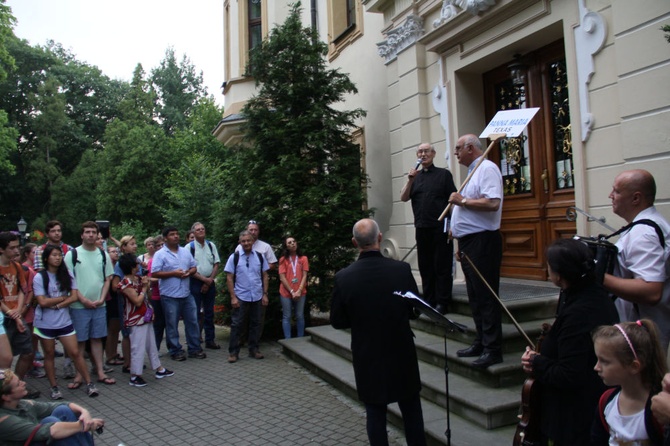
(166, 260)
(248, 277)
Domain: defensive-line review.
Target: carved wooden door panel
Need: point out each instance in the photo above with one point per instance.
(537, 167)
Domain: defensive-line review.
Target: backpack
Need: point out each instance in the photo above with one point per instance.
(651, 424)
(45, 282)
(236, 258)
(211, 250)
(75, 261)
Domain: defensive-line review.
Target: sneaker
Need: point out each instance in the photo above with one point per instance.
(68, 371)
(164, 373)
(56, 394)
(179, 357)
(138, 381)
(37, 373)
(256, 355)
(91, 390)
(58, 353)
(39, 356)
(198, 355)
(38, 364)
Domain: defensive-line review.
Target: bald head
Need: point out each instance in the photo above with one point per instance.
(632, 192)
(366, 235)
(640, 180)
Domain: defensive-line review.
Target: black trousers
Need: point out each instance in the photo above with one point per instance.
(412, 418)
(485, 251)
(435, 253)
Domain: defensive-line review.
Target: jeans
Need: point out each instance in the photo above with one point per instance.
(287, 304)
(206, 302)
(173, 307)
(254, 310)
(64, 413)
(159, 324)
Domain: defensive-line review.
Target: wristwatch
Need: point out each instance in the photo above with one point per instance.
(465, 200)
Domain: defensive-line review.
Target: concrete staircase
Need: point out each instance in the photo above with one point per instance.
(483, 404)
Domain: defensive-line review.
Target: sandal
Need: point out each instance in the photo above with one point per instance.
(114, 361)
(74, 385)
(107, 380)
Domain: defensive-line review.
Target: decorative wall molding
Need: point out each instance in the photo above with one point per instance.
(590, 37)
(400, 38)
(441, 106)
(451, 8)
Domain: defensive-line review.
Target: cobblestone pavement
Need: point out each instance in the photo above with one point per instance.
(210, 402)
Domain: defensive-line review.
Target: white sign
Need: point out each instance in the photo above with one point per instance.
(510, 122)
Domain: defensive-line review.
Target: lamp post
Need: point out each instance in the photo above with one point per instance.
(22, 225)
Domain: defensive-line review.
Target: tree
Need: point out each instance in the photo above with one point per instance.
(177, 87)
(299, 172)
(7, 22)
(198, 181)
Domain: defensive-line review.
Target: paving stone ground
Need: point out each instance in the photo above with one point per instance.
(210, 402)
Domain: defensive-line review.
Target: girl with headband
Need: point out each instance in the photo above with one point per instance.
(629, 357)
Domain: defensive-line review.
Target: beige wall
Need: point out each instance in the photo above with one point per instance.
(628, 92)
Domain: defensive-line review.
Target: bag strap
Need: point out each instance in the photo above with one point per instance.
(644, 221)
(605, 398)
(32, 435)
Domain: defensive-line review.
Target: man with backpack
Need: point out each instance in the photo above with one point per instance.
(203, 282)
(92, 268)
(12, 302)
(54, 233)
(641, 276)
(247, 280)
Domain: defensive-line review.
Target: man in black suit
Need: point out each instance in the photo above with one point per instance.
(382, 342)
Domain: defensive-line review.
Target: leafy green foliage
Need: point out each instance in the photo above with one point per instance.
(178, 88)
(298, 172)
(666, 30)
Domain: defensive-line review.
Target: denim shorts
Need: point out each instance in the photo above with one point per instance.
(89, 323)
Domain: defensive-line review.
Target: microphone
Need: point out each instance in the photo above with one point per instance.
(418, 163)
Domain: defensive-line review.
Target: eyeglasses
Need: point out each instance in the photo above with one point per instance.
(252, 222)
(247, 262)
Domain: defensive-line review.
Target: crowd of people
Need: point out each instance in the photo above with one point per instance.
(87, 297)
(602, 367)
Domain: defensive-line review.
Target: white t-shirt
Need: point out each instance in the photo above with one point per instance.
(640, 256)
(625, 430)
(485, 182)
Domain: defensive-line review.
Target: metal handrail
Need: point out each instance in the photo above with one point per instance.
(571, 215)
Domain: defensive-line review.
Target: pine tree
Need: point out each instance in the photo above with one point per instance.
(298, 171)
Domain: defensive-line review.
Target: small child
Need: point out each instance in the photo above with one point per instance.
(630, 357)
(138, 318)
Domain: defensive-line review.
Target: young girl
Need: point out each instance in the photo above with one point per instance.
(55, 289)
(630, 357)
(138, 319)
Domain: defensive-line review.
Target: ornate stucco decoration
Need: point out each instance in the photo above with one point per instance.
(441, 106)
(400, 38)
(590, 37)
(450, 9)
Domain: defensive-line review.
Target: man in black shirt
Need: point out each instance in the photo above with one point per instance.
(429, 189)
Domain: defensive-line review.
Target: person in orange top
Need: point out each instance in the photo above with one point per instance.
(293, 269)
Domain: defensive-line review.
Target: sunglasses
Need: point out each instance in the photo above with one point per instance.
(253, 222)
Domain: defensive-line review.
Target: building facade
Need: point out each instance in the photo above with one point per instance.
(431, 70)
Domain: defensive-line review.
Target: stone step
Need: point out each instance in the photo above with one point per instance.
(339, 373)
(513, 340)
(526, 300)
(470, 398)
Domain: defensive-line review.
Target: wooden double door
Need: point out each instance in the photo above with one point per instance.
(537, 168)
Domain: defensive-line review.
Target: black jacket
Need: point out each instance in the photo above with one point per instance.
(382, 342)
(564, 369)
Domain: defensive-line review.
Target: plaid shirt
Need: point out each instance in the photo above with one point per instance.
(38, 254)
